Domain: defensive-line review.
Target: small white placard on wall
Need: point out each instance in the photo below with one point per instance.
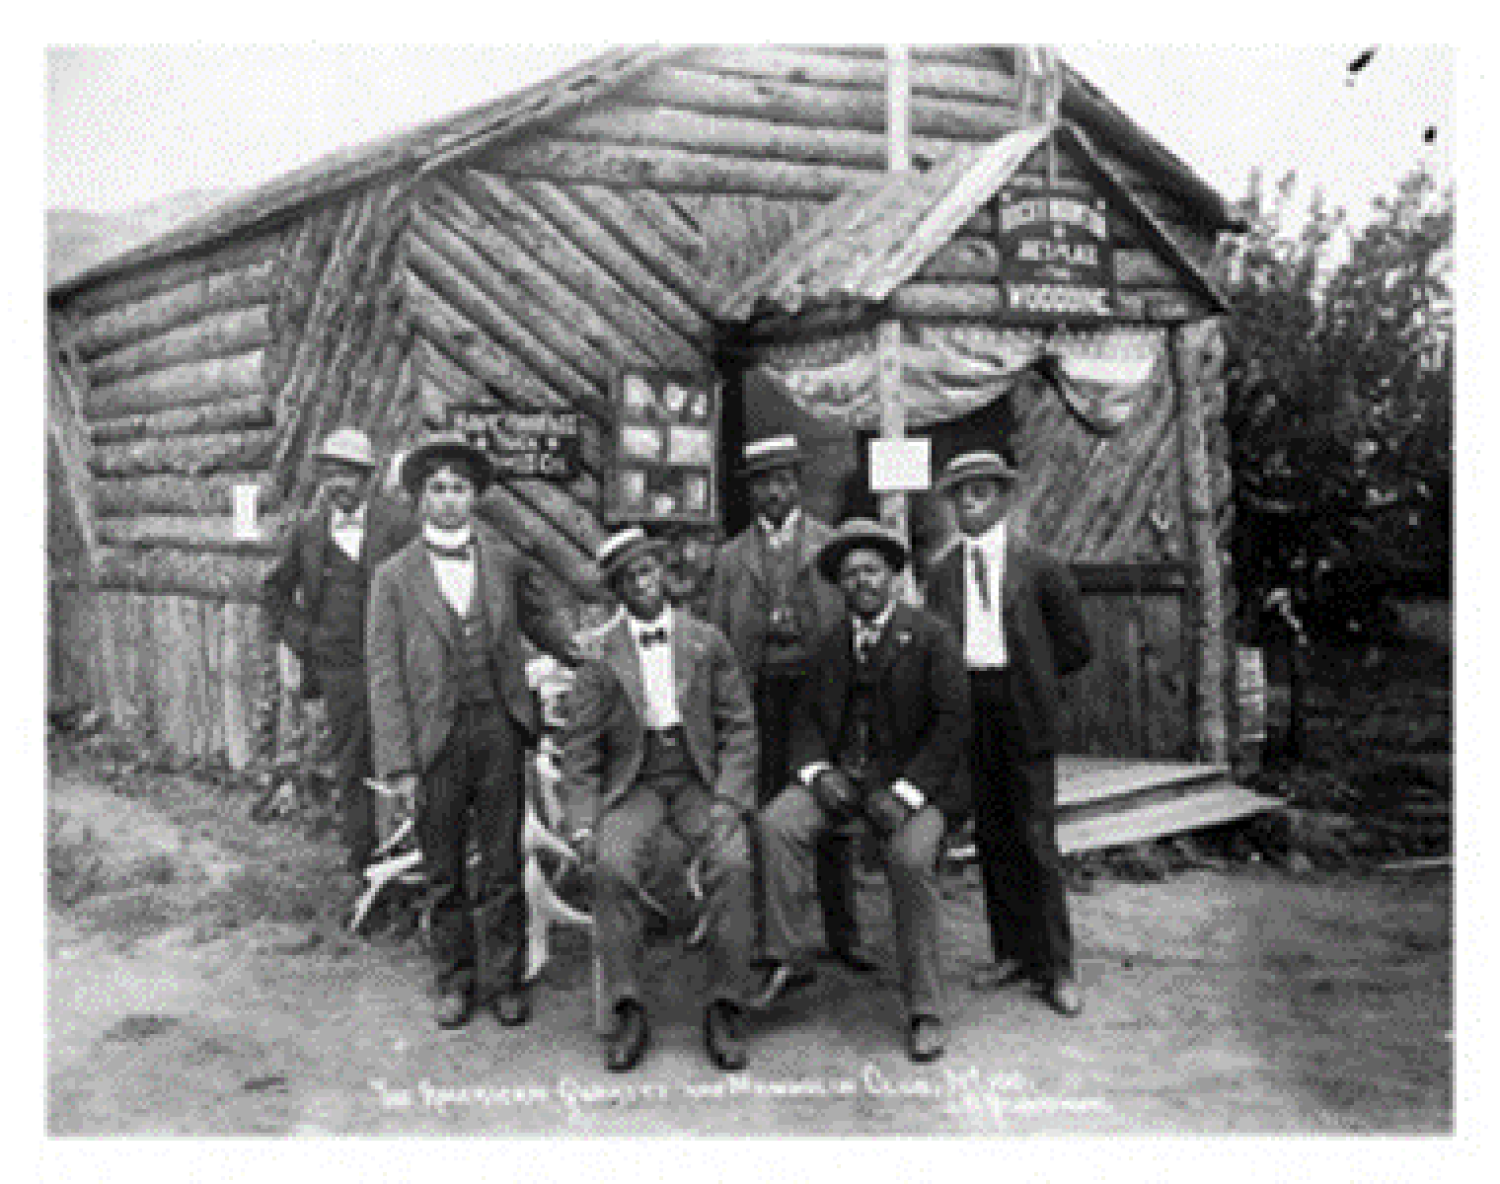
(246, 525)
(904, 464)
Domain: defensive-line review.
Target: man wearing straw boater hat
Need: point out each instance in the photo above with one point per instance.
(662, 733)
(1018, 613)
(878, 735)
(768, 597)
(316, 595)
(452, 713)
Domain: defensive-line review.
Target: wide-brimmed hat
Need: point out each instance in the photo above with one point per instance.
(973, 466)
(772, 452)
(347, 446)
(441, 447)
(623, 546)
(857, 533)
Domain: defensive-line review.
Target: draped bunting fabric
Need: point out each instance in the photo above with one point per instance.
(1102, 375)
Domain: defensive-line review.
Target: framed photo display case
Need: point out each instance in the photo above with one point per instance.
(666, 455)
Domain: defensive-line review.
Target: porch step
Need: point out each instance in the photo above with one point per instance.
(1135, 819)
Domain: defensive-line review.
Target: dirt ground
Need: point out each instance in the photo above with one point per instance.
(198, 983)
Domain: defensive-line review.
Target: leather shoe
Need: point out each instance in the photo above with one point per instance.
(724, 1035)
(853, 958)
(1064, 995)
(452, 1010)
(782, 979)
(513, 1008)
(627, 1044)
(995, 975)
(925, 1040)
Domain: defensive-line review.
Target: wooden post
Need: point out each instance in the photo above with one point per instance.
(888, 378)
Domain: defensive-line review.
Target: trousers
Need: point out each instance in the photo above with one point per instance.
(476, 789)
(346, 694)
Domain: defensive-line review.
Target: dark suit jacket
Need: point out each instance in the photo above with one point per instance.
(412, 648)
(739, 594)
(922, 716)
(605, 739)
(293, 588)
(1045, 635)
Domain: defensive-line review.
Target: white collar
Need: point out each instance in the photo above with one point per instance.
(355, 517)
(876, 627)
(442, 537)
(638, 626)
(992, 540)
(782, 533)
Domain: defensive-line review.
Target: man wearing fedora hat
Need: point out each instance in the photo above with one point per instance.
(662, 733)
(1018, 613)
(451, 714)
(316, 595)
(878, 735)
(769, 599)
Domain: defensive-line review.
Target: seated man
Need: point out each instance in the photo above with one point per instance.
(878, 735)
(661, 732)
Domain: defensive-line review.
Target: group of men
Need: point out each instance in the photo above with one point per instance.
(813, 705)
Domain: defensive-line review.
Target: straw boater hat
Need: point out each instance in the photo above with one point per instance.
(347, 446)
(439, 448)
(972, 466)
(857, 533)
(773, 452)
(623, 546)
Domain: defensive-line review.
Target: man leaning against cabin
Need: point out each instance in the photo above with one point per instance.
(769, 599)
(879, 734)
(1018, 612)
(316, 595)
(661, 733)
(452, 714)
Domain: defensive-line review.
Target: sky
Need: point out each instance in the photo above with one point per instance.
(131, 124)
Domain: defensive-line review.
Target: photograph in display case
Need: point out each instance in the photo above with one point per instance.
(665, 452)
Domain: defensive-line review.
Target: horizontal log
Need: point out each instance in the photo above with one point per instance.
(168, 493)
(186, 455)
(233, 415)
(625, 167)
(633, 324)
(191, 384)
(504, 319)
(142, 319)
(595, 241)
(190, 573)
(189, 533)
(94, 299)
(927, 76)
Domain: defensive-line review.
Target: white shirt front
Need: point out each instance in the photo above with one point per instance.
(783, 535)
(455, 577)
(657, 674)
(984, 629)
(348, 530)
(867, 633)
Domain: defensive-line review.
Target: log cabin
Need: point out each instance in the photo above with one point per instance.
(725, 215)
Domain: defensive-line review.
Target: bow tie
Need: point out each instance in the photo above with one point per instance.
(464, 551)
(865, 640)
(650, 637)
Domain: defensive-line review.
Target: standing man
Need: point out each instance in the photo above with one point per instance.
(662, 734)
(878, 734)
(452, 714)
(316, 596)
(1018, 612)
(769, 599)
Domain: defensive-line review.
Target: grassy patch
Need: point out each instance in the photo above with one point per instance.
(75, 861)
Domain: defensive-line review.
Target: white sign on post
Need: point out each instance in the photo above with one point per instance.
(246, 525)
(899, 465)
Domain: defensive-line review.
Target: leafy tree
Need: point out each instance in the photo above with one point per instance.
(1339, 406)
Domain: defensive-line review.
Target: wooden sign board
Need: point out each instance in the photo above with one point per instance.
(666, 448)
(522, 444)
(1056, 259)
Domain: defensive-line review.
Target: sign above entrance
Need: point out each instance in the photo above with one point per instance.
(666, 456)
(524, 444)
(1056, 258)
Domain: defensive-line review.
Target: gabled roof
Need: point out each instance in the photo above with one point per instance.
(869, 242)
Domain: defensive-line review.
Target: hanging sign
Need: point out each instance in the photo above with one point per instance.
(521, 444)
(665, 448)
(1056, 258)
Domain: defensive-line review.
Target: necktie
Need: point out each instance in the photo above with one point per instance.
(650, 637)
(460, 552)
(981, 577)
(864, 643)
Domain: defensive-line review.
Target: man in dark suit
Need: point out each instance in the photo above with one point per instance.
(769, 599)
(316, 595)
(662, 733)
(878, 734)
(1018, 612)
(452, 713)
